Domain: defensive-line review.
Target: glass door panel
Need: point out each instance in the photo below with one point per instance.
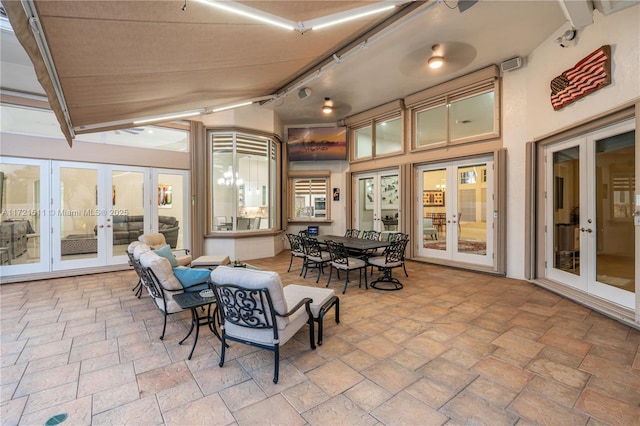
(366, 203)
(434, 216)
(127, 209)
(472, 212)
(80, 216)
(23, 221)
(614, 208)
(172, 208)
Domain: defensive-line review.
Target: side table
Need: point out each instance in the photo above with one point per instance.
(194, 301)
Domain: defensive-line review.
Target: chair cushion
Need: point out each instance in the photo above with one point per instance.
(153, 240)
(189, 277)
(354, 263)
(139, 249)
(255, 279)
(293, 293)
(132, 246)
(381, 262)
(162, 270)
(165, 251)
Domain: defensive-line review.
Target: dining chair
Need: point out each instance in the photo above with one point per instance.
(297, 250)
(341, 261)
(315, 256)
(399, 236)
(255, 310)
(393, 257)
(352, 233)
(428, 230)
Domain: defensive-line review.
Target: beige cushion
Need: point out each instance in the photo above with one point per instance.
(132, 246)
(204, 261)
(294, 293)
(162, 270)
(139, 250)
(183, 259)
(153, 240)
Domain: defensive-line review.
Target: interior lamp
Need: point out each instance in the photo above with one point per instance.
(435, 61)
(327, 108)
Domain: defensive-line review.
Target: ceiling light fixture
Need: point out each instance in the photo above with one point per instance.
(249, 12)
(327, 108)
(436, 60)
(237, 105)
(161, 118)
(339, 18)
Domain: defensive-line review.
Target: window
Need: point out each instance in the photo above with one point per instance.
(310, 196)
(377, 132)
(243, 181)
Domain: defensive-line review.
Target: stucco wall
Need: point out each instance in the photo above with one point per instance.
(527, 110)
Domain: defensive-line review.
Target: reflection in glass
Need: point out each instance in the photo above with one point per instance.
(19, 214)
(364, 142)
(389, 202)
(472, 116)
(433, 207)
(472, 209)
(366, 193)
(78, 226)
(389, 136)
(431, 126)
(310, 198)
(566, 201)
(615, 187)
(127, 208)
(170, 219)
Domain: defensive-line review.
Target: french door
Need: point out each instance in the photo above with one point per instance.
(455, 211)
(589, 210)
(98, 210)
(377, 201)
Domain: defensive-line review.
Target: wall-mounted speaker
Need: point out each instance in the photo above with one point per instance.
(304, 92)
(511, 64)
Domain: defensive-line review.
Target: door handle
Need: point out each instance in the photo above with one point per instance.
(101, 226)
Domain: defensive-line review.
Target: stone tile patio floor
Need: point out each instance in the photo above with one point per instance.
(452, 347)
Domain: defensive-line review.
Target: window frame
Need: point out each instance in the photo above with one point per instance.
(297, 175)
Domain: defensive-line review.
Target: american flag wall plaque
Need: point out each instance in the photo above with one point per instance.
(588, 75)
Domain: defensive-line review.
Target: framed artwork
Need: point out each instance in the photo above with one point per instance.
(433, 198)
(317, 143)
(389, 192)
(165, 196)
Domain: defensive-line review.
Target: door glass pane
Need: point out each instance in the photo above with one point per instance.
(223, 182)
(171, 207)
(472, 206)
(434, 218)
(127, 195)
(366, 192)
(566, 201)
(614, 230)
(78, 222)
(20, 214)
(389, 202)
(364, 143)
(431, 126)
(472, 116)
(389, 136)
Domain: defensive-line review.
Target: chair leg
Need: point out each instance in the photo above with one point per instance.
(222, 352)
(276, 368)
(329, 279)
(164, 327)
(405, 269)
(346, 282)
(290, 263)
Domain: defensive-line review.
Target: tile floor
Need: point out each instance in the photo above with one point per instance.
(452, 347)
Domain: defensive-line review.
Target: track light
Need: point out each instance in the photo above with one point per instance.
(436, 60)
(327, 108)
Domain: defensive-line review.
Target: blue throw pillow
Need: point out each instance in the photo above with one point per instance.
(189, 277)
(165, 251)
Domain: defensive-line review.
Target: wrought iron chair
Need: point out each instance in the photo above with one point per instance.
(157, 240)
(297, 250)
(135, 263)
(352, 233)
(255, 310)
(315, 256)
(393, 258)
(399, 236)
(341, 261)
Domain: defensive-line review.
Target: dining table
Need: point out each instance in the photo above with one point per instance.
(361, 245)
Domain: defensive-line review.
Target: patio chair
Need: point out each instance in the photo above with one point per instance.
(341, 261)
(297, 250)
(255, 310)
(157, 240)
(399, 236)
(352, 233)
(392, 258)
(315, 256)
(135, 263)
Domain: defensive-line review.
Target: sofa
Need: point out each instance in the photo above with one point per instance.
(127, 229)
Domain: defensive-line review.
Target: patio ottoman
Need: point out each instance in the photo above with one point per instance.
(210, 262)
(323, 300)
